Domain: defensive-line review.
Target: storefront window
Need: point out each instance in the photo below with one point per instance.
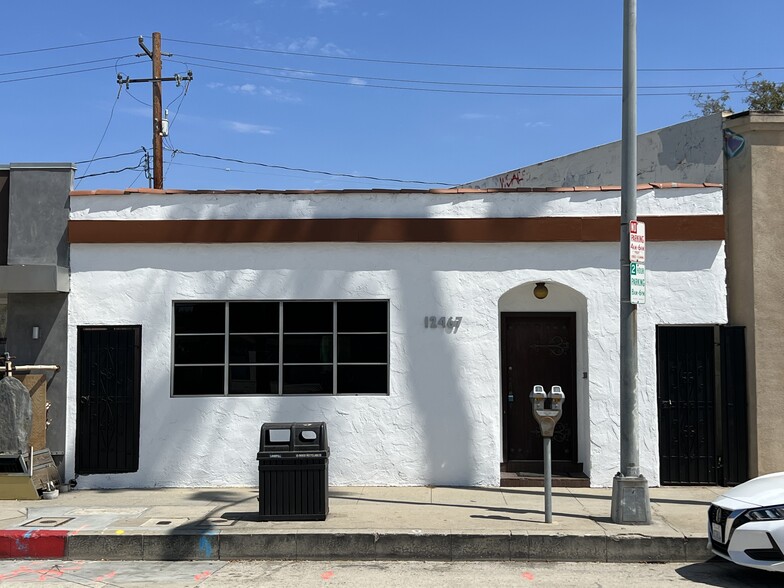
(312, 347)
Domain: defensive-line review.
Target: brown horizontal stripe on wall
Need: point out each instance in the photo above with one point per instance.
(393, 230)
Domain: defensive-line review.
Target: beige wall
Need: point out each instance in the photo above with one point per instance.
(754, 209)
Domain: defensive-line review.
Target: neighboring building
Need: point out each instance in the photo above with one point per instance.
(34, 277)
(688, 152)
(754, 205)
(405, 320)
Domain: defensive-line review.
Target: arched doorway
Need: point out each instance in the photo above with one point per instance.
(542, 342)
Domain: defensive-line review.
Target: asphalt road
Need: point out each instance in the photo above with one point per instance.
(377, 574)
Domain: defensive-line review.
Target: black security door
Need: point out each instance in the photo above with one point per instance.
(687, 409)
(702, 405)
(108, 398)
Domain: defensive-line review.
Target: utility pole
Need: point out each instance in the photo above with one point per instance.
(160, 126)
(630, 496)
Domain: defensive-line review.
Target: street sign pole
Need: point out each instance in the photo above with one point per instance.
(630, 498)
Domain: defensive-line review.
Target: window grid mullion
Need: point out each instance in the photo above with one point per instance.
(280, 348)
(226, 349)
(334, 348)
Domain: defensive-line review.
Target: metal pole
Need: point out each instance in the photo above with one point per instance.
(548, 481)
(629, 450)
(630, 502)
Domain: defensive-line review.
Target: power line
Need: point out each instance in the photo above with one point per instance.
(467, 65)
(311, 171)
(259, 173)
(442, 83)
(449, 91)
(100, 142)
(114, 171)
(54, 75)
(109, 157)
(19, 71)
(65, 46)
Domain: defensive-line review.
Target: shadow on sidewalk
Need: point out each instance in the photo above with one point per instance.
(725, 574)
(567, 494)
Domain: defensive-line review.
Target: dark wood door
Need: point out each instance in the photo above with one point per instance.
(108, 397)
(538, 348)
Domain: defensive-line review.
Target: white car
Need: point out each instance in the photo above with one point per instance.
(746, 523)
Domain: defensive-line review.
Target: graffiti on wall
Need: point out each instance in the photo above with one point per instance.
(512, 179)
(733, 143)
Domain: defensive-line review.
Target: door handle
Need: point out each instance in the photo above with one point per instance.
(510, 396)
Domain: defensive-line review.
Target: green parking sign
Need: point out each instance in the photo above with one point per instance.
(637, 283)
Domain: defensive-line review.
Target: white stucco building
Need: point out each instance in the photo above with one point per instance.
(404, 320)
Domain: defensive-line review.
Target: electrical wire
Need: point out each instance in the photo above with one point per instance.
(114, 171)
(142, 102)
(66, 46)
(311, 171)
(54, 75)
(100, 142)
(109, 157)
(20, 71)
(442, 83)
(260, 173)
(467, 65)
(448, 91)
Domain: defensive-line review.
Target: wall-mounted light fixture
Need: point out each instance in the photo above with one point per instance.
(36, 332)
(541, 291)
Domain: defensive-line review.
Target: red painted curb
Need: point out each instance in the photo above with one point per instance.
(33, 544)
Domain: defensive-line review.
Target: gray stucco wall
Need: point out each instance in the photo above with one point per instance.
(49, 312)
(4, 216)
(689, 152)
(34, 199)
(38, 214)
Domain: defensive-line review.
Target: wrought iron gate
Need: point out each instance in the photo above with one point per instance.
(702, 405)
(108, 394)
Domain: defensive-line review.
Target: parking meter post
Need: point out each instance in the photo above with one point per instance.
(547, 417)
(548, 480)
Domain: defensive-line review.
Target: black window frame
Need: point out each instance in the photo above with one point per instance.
(360, 368)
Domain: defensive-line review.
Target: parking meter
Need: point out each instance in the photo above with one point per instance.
(547, 417)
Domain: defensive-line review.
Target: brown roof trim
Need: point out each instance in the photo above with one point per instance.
(393, 230)
(657, 186)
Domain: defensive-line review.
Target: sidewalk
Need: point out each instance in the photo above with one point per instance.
(364, 523)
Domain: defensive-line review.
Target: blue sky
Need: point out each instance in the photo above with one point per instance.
(324, 110)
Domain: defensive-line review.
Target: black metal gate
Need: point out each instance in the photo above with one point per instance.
(702, 405)
(108, 393)
(734, 432)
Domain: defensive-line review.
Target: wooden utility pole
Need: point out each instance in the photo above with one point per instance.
(160, 127)
(157, 111)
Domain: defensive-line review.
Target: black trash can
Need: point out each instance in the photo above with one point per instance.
(293, 472)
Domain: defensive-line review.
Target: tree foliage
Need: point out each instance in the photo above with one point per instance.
(764, 95)
(761, 95)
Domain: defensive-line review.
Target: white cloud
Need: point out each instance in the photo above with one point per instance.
(278, 95)
(311, 45)
(477, 116)
(332, 49)
(214, 85)
(357, 82)
(243, 89)
(306, 45)
(247, 128)
(540, 124)
(324, 4)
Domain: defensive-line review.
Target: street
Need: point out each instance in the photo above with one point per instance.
(378, 574)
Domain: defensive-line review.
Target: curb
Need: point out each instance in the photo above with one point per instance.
(350, 545)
